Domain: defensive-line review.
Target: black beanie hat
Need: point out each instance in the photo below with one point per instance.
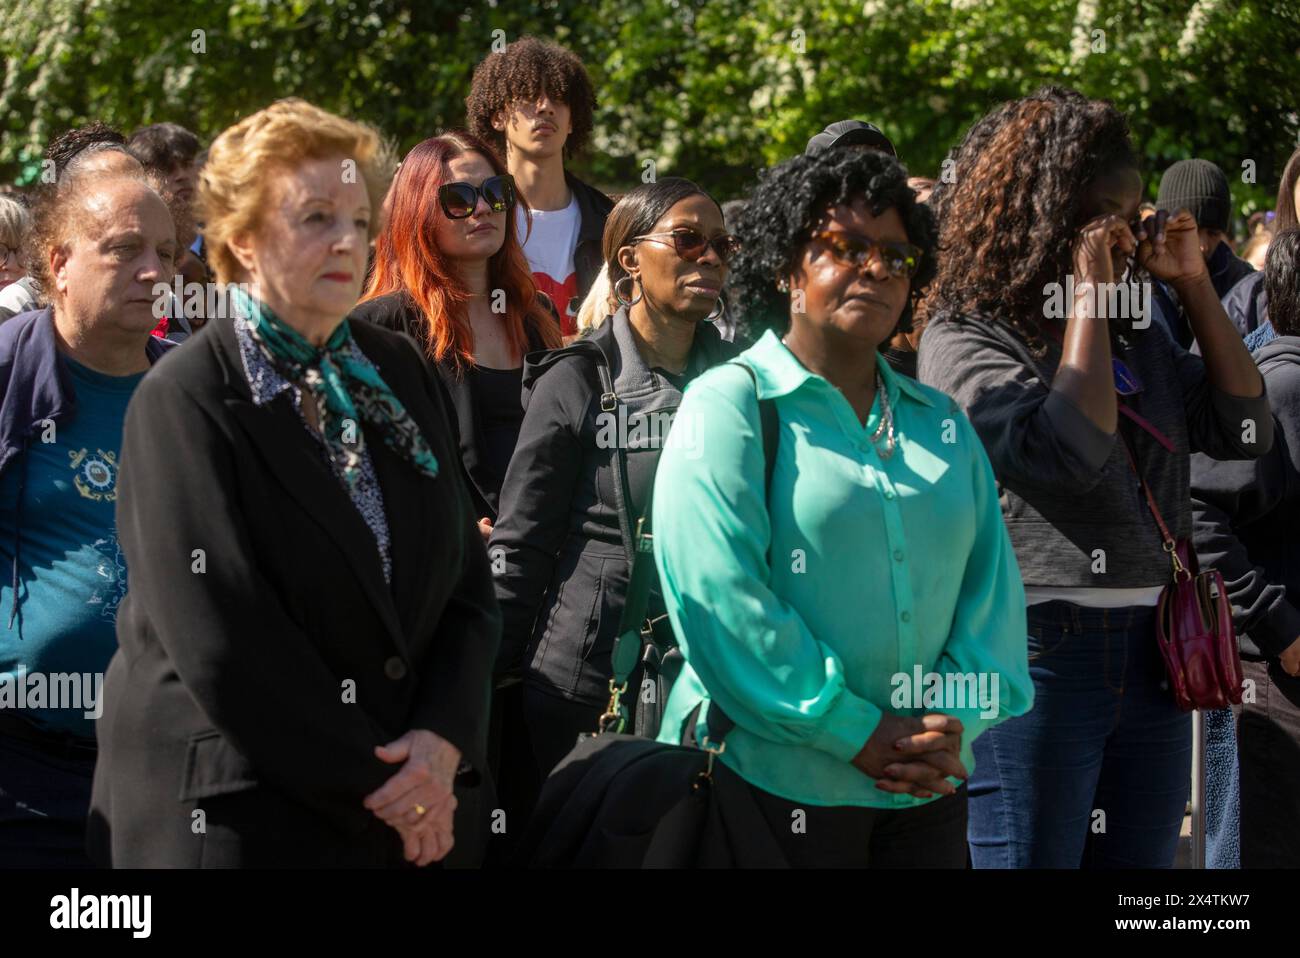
(1198, 186)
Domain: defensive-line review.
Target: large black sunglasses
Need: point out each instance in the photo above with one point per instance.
(460, 199)
(853, 249)
(690, 244)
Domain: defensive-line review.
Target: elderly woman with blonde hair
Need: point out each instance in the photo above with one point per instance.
(309, 628)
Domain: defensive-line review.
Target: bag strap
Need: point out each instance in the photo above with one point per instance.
(1167, 540)
(622, 493)
(770, 425)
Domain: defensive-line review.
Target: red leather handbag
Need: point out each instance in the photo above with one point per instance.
(1194, 625)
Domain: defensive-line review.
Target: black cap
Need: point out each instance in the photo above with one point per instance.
(1200, 187)
(851, 133)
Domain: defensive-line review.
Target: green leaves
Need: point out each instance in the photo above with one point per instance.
(711, 89)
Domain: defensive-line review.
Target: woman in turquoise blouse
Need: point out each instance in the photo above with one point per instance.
(862, 620)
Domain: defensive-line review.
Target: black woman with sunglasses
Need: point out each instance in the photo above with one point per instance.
(1076, 390)
(449, 272)
(596, 419)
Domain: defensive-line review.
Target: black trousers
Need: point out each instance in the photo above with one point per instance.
(44, 800)
(1269, 753)
(847, 836)
(554, 724)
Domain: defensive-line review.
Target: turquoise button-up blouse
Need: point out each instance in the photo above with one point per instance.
(892, 585)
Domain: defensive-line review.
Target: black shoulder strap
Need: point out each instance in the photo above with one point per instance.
(622, 492)
(770, 424)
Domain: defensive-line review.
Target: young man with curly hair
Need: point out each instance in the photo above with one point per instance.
(533, 101)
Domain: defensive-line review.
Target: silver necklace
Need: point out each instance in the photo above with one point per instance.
(886, 425)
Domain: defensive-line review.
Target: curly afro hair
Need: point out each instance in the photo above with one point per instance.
(520, 72)
(1017, 199)
(787, 204)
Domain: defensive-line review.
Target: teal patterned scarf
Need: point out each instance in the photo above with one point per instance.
(345, 391)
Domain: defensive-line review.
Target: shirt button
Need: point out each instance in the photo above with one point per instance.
(906, 616)
(889, 493)
(898, 555)
(395, 668)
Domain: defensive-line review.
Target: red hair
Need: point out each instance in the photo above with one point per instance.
(407, 257)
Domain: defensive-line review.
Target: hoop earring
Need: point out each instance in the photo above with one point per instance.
(618, 293)
(719, 310)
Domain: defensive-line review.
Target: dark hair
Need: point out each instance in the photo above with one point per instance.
(1288, 216)
(788, 202)
(637, 213)
(521, 71)
(1282, 282)
(1008, 219)
(163, 147)
(65, 147)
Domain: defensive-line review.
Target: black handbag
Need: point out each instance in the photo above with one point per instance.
(621, 801)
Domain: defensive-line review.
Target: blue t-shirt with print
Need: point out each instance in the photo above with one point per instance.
(71, 571)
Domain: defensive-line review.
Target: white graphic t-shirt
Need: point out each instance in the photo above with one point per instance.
(549, 249)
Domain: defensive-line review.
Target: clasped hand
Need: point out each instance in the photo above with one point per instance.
(429, 763)
(907, 755)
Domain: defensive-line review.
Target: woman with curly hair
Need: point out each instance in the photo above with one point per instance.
(533, 102)
(1071, 393)
(825, 602)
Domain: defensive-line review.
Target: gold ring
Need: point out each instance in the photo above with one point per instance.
(420, 810)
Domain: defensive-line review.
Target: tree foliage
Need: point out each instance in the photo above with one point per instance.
(711, 89)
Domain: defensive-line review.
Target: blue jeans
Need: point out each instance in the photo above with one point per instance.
(1102, 763)
(44, 800)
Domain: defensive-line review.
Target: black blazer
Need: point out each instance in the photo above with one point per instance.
(261, 655)
(397, 311)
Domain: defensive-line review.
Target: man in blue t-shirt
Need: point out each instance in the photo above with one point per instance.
(67, 373)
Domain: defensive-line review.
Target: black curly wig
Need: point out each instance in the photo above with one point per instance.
(521, 71)
(790, 200)
(1017, 200)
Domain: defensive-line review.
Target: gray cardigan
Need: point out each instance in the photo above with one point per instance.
(1066, 486)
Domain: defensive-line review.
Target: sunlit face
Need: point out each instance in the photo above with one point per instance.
(122, 245)
(831, 297)
(670, 283)
(536, 128)
(480, 235)
(308, 254)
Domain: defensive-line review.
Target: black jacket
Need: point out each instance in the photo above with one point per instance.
(254, 688)
(1246, 515)
(397, 311)
(1247, 303)
(558, 548)
(1226, 270)
(593, 209)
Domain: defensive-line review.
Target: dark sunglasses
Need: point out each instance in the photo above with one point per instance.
(691, 244)
(853, 249)
(459, 200)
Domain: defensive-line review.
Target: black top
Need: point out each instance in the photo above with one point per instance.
(397, 311)
(496, 394)
(257, 686)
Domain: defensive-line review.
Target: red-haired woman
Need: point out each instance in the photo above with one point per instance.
(450, 272)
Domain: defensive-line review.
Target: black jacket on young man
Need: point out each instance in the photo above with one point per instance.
(262, 654)
(558, 547)
(593, 209)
